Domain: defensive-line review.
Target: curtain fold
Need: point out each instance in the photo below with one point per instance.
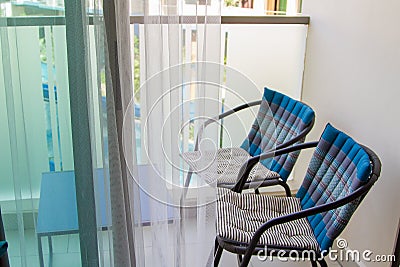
(164, 82)
(119, 91)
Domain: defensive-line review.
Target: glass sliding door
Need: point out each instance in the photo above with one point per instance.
(40, 197)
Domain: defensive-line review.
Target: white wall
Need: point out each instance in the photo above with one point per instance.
(352, 79)
(268, 55)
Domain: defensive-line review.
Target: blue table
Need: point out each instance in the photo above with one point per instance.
(58, 208)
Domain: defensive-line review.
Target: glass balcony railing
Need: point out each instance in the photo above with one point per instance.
(269, 50)
(14, 8)
(269, 54)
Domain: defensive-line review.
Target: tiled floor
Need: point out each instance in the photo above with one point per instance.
(66, 251)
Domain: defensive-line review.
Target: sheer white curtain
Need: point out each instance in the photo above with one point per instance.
(124, 195)
(167, 84)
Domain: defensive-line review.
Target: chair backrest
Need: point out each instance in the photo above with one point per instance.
(279, 120)
(338, 167)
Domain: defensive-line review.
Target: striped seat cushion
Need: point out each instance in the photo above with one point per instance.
(240, 215)
(228, 163)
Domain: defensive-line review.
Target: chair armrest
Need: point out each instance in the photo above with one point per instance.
(238, 108)
(221, 116)
(250, 163)
(305, 213)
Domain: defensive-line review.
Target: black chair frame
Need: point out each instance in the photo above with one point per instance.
(252, 248)
(246, 172)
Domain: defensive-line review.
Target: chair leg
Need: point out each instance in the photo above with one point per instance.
(239, 259)
(188, 178)
(187, 183)
(217, 253)
(286, 187)
(246, 259)
(323, 263)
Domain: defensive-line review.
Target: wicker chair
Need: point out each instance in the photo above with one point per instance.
(281, 121)
(340, 174)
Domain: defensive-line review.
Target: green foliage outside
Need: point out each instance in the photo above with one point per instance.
(234, 3)
(136, 68)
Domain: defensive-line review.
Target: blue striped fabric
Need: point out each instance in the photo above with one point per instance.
(338, 167)
(279, 119)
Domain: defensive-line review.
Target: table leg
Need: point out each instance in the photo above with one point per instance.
(41, 264)
(50, 251)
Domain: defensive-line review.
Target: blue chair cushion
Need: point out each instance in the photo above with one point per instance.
(279, 119)
(338, 167)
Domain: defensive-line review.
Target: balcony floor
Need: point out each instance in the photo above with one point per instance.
(66, 252)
